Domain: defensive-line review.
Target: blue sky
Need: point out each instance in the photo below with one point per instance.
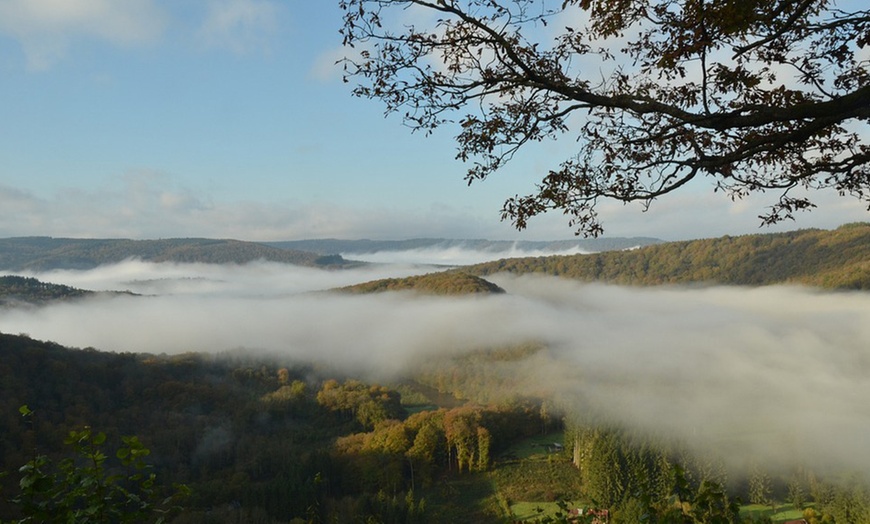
(227, 118)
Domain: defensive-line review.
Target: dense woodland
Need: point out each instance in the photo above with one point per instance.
(266, 441)
(838, 259)
(272, 442)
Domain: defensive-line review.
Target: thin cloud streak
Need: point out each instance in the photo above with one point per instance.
(241, 26)
(453, 256)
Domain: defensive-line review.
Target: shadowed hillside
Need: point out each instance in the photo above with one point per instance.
(838, 259)
(258, 441)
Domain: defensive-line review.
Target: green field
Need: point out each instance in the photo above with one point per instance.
(783, 513)
(525, 511)
(535, 448)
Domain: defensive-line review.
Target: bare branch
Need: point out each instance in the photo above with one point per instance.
(644, 129)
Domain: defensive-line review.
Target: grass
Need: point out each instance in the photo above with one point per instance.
(534, 447)
(523, 511)
(468, 497)
(783, 513)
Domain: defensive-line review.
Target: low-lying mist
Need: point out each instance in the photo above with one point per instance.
(777, 374)
(453, 255)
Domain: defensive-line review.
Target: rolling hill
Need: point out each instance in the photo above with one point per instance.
(836, 259)
(15, 290)
(442, 283)
(46, 253)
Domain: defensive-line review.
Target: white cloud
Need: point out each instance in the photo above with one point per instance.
(46, 29)
(149, 204)
(241, 26)
(326, 67)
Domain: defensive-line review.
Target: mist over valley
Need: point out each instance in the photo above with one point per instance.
(745, 376)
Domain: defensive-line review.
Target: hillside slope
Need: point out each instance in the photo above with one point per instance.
(45, 253)
(444, 283)
(836, 259)
(16, 290)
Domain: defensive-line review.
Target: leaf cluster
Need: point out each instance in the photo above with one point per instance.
(85, 488)
(755, 95)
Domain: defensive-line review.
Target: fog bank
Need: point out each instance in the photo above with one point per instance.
(454, 255)
(779, 373)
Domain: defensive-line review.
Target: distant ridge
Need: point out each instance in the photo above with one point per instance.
(837, 259)
(330, 246)
(46, 253)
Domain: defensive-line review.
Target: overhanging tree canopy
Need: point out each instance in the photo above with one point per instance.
(758, 95)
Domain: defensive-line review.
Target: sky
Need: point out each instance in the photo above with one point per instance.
(229, 119)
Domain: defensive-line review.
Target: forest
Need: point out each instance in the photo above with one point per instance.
(462, 436)
(274, 442)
